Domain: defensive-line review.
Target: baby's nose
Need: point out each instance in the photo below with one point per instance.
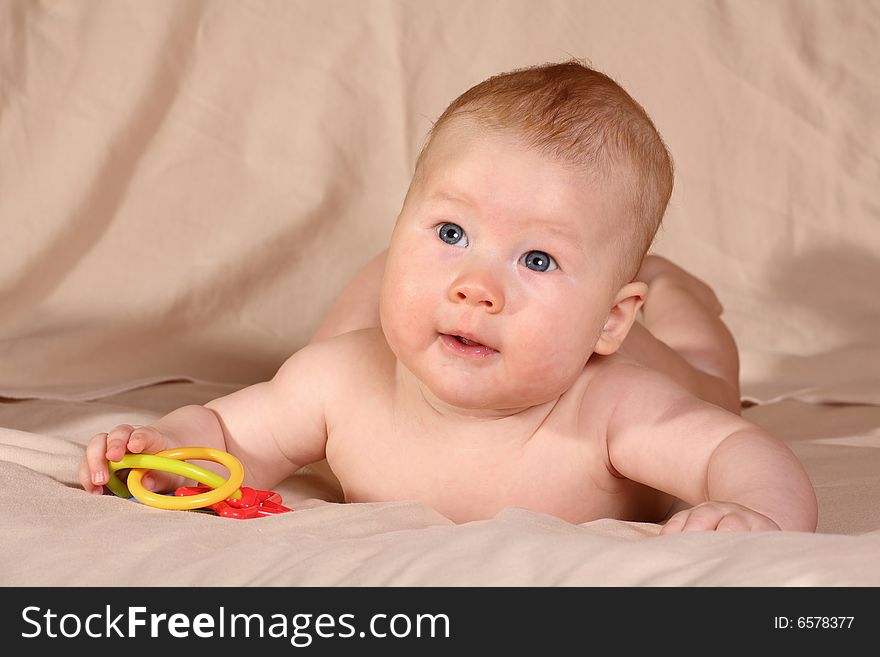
(477, 291)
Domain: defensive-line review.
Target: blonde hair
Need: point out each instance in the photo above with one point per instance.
(579, 116)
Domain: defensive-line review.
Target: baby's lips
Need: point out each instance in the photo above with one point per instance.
(467, 348)
(469, 339)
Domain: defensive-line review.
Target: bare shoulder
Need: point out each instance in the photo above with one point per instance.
(596, 397)
(609, 381)
(284, 421)
(652, 426)
(338, 359)
(355, 350)
(606, 384)
(291, 412)
(634, 393)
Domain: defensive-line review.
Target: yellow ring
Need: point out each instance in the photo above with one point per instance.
(230, 488)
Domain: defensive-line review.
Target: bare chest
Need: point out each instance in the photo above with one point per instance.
(473, 473)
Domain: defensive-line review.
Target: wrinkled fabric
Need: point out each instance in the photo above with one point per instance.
(186, 186)
(53, 533)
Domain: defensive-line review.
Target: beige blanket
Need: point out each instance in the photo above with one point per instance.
(185, 186)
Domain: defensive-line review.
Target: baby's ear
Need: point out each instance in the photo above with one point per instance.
(620, 320)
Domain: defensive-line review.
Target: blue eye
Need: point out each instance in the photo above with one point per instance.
(452, 234)
(539, 261)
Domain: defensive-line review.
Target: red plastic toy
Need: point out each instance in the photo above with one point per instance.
(252, 504)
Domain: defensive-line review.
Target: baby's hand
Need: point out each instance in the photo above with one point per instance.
(718, 516)
(112, 446)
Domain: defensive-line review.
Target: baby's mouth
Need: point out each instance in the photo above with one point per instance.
(466, 346)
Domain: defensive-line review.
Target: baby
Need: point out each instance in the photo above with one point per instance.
(492, 356)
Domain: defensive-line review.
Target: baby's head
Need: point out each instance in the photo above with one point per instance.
(582, 119)
(534, 200)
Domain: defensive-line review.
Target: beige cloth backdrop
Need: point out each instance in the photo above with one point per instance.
(185, 187)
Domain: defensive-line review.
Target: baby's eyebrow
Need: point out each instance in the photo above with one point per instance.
(442, 195)
(543, 225)
(547, 226)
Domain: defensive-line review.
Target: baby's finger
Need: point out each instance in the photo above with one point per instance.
(702, 518)
(117, 441)
(675, 523)
(145, 440)
(155, 481)
(84, 474)
(747, 522)
(734, 522)
(96, 462)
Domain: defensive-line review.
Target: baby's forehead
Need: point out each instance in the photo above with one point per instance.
(474, 166)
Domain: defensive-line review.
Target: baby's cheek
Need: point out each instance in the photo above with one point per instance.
(407, 319)
(559, 352)
(410, 282)
(538, 361)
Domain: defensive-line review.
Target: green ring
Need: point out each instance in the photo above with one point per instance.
(163, 463)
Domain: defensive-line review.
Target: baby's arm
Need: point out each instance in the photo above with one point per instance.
(273, 428)
(735, 473)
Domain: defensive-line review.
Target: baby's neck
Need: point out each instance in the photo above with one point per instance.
(421, 397)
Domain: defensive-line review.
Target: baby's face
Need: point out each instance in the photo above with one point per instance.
(499, 277)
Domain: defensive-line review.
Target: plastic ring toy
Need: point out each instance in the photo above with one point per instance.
(171, 460)
(163, 463)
